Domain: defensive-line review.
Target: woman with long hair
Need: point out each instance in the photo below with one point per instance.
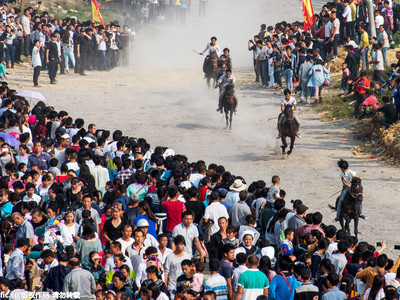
(265, 266)
(68, 50)
(88, 242)
(275, 229)
(376, 292)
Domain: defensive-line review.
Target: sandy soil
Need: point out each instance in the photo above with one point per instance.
(172, 107)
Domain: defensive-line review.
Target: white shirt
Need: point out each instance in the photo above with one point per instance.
(379, 21)
(215, 211)
(110, 263)
(36, 61)
(125, 244)
(162, 257)
(348, 176)
(261, 53)
(236, 273)
(336, 26)
(26, 23)
(378, 57)
(101, 45)
(292, 101)
(347, 14)
(328, 29)
(35, 198)
(210, 49)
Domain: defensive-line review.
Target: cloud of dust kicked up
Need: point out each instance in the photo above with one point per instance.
(169, 45)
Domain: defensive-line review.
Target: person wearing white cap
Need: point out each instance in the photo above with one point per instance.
(233, 196)
(149, 240)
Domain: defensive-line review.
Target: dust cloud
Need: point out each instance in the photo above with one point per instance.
(168, 45)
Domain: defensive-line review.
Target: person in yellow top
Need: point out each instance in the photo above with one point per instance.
(353, 10)
(364, 45)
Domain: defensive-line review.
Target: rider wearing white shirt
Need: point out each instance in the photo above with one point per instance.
(286, 101)
(213, 46)
(227, 79)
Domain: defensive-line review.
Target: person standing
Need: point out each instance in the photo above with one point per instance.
(16, 263)
(364, 47)
(52, 59)
(261, 63)
(252, 283)
(79, 280)
(36, 62)
(26, 25)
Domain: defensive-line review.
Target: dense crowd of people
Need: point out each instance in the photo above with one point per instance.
(303, 58)
(86, 214)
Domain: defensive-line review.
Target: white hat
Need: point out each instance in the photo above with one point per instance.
(238, 186)
(142, 223)
(185, 185)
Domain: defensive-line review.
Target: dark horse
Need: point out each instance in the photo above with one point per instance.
(210, 66)
(350, 209)
(288, 128)
(229, 103)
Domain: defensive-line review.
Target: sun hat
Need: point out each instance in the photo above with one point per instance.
(238, 186)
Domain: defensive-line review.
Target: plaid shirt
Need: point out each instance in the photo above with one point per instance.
(124, 175)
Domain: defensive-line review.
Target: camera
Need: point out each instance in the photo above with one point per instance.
(379, 244)
(396, 247)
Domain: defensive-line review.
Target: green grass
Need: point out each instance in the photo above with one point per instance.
(334, 108)
(80, 9)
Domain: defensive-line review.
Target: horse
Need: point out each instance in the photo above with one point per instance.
(229, 103)
(210, 66)
(288, 128)
(350, 209)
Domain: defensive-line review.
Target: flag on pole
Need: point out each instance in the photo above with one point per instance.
(96, 15)
(308, 12)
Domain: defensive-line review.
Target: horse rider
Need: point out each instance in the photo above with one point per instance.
(346, 176)
(224, 63)
(212, 46)
(287, 101)
(227, 79)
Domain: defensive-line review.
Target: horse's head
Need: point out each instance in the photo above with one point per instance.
(214, 59)
(356, 188)
(229, 91)
(288, 112)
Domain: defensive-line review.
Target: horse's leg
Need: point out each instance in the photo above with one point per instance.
(208, 82)
(226, 117)
(230, 119)
(341, 221)
(356, 219)
(347, 225)
(284, 144)
(292, 139)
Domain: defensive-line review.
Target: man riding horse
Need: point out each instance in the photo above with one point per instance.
(288, 102)
(227, 79)
(224, 63)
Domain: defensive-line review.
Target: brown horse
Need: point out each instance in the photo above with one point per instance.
(288, 128)
(210, 66)
(350, 209)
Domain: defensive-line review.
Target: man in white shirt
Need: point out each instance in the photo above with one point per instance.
(36, 62)
(347, 18)
(26, 26)
(215, 211)
(115, 248)
(101, 47)
(126, 240)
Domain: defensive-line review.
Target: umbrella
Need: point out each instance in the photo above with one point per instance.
(9, 139)
(32, 95)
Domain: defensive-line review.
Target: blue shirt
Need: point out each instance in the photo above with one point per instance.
(226, 204)
(25, 230)
(334, 294)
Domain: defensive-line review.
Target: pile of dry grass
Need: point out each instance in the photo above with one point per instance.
(382, 143)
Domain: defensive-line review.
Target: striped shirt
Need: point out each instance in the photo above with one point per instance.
(218, 284)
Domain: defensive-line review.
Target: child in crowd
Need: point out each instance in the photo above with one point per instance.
(196, 286)
(345, 74)
(274, 189)
(231, 233)
(287, 243)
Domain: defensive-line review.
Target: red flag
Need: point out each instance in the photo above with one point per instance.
(308, 12)
(96, 15)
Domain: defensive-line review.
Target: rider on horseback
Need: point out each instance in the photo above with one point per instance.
(286, 102)
(224, 63)
(346, 176)
(227, 79)
(212, 46)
